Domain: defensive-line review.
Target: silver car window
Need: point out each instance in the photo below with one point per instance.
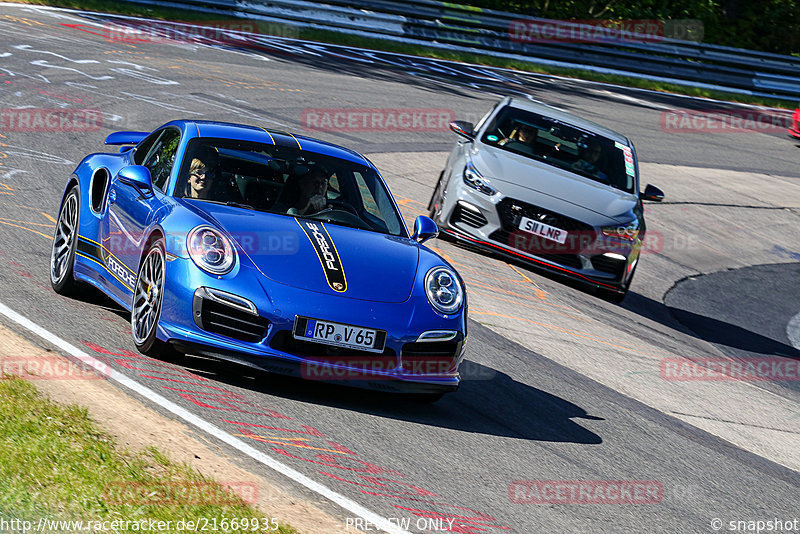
(563, 145)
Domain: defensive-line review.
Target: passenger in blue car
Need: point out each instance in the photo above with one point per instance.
(202, 172)
(200, 180)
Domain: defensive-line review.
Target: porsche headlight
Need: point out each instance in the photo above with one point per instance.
(628, 232)
(476, 181)
(443, 290)
(210, 250)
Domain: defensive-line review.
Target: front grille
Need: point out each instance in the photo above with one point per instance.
(284, 341)
(468, 217)
(432, 349)
(231, 322)
(436, 357)
(604, 264)
(511, 217)
(511, 212)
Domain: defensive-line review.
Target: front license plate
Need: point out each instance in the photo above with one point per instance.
(339, 335)
(546, 231)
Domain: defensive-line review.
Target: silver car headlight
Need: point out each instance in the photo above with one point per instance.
(443, 290)
(210, 250)
(476, 181)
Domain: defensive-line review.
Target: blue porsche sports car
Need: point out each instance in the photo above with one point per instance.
(272, 250)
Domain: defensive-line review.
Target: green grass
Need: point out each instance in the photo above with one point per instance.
(346, 39)
(56, 464)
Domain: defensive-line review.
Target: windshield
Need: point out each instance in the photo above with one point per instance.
(563, 145)
(287, 181)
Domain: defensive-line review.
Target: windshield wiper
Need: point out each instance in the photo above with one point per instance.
(364, 226)
(239, 205)
(226, 203)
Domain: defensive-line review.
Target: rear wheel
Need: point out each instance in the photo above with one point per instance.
(65, 241)
(147, 300)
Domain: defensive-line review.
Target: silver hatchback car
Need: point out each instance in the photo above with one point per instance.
(543, 186)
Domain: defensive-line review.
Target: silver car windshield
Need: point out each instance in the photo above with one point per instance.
(288, 182)
(563, 145)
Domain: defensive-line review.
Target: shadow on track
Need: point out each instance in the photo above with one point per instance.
(722, 333)
(708, 328)
(499, 406)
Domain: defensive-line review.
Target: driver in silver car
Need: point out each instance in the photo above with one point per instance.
(521, 139)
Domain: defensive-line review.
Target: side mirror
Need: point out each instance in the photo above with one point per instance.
(137, 176)
(464, 129)
(424, 229)
(652, 193)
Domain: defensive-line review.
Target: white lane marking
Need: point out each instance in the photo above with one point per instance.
(87, 87)
(155, 102)
(44, 63)
(34, 77)
(134, 65)
(35, 155)
(7, 173)
(29, 48)
(205, 103)
(793, 331)
(631, 99)
(144, 76)
(202, 424)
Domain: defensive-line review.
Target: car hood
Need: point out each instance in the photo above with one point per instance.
(321, 257)
(553, 188)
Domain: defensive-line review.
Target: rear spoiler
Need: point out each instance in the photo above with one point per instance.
(126, 138)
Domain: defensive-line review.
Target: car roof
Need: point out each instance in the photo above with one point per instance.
(564, 116)
(227, 130)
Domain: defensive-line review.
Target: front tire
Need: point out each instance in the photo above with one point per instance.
(424, 398)
(615, 296)
(65, 242)
(612, 296)
(432, 203)
(147, 300)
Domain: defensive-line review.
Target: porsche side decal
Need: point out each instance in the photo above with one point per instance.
(92, 250)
